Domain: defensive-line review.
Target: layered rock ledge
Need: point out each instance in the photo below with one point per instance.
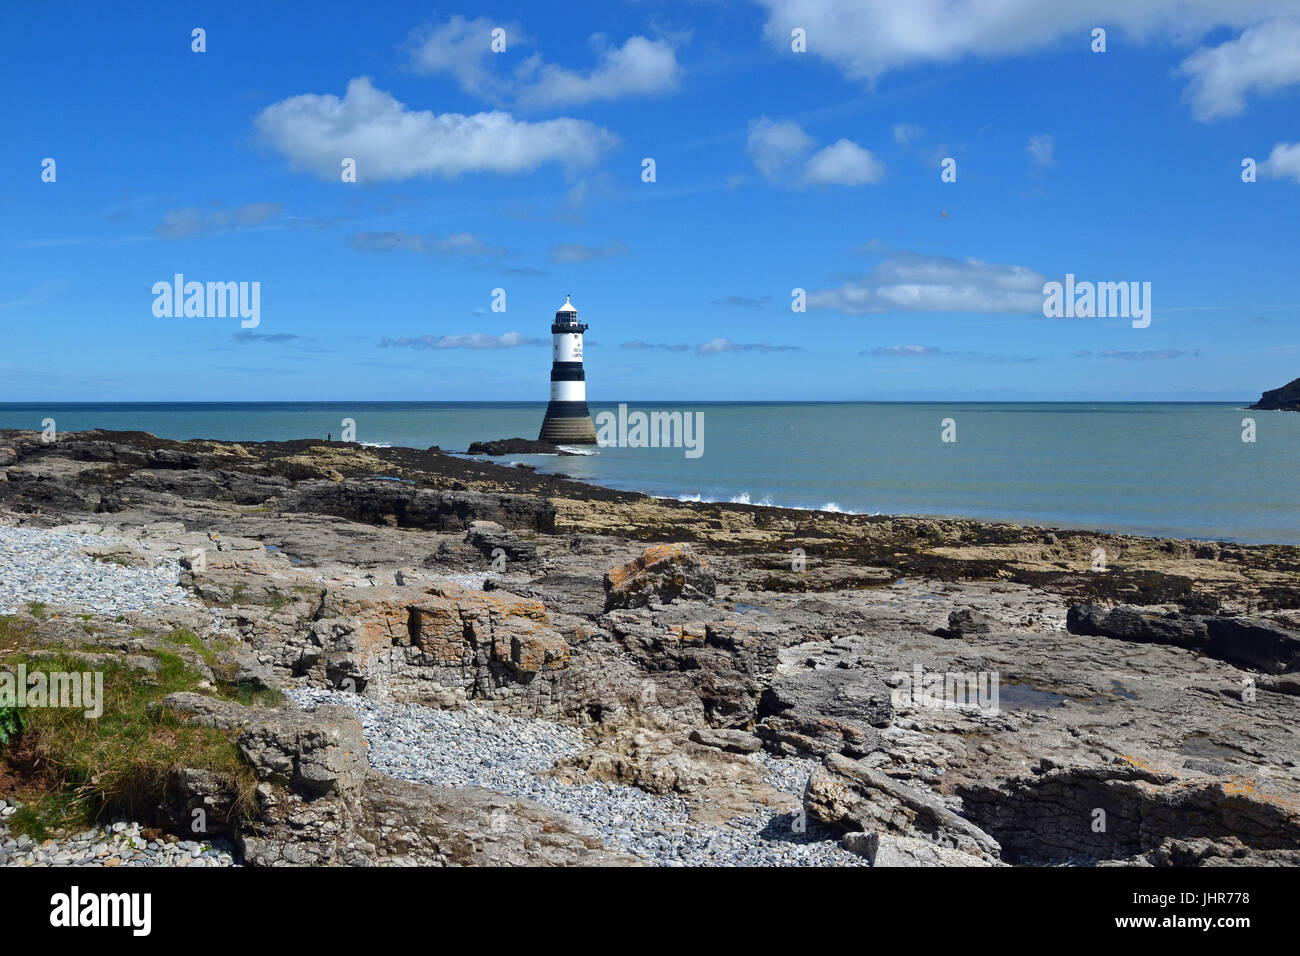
(745, 684)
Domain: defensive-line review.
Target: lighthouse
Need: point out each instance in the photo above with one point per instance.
(567, 419)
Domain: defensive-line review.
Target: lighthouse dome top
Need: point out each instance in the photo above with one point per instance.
(566, 320)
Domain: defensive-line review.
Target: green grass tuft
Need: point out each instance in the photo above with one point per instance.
(187, 638)
(12, 723)
(122, 761)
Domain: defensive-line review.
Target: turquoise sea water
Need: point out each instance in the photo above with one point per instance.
(1163, 469)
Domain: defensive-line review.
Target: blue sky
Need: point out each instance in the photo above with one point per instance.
(774, 170)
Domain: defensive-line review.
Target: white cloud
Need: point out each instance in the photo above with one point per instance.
(906, 133)
(913, 282)
(844, 164)
(1042, 149)
(462, 48)
(392, 142)
(715, 346)
(580, 252)
(191, 221)
(1137, 355)
(473, 340)
(1263, 59)
(1283, 162)
(866, 38)
(639, 67)
(277, 337)
(665, 346)
(463, 244)
(906, 351)
(774, 145)
(456, 244)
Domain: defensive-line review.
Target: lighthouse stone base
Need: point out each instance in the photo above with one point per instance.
(567, 426)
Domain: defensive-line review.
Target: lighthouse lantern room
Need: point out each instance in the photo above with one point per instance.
(567, 419)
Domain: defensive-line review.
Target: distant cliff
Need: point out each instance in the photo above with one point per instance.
(1286, 398)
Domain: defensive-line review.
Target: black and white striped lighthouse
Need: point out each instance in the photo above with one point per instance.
(567, 418)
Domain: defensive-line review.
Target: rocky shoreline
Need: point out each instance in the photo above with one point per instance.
(418, 658)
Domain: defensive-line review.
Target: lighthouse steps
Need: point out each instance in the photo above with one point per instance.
(570, 431)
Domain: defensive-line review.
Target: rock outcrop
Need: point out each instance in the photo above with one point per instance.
(732, 741)
(216, 485)
(1286, 398)
(515, 446)
(489, 538)
(1255, 643)
(1245, 641)
(1144, 625)
(413, 825)
(434, 644)
(1128, 809)
(317, 803)
(891, 850)
(849, 795)
(660, 575)
(822, 712)
(967, 622)
(400, 505)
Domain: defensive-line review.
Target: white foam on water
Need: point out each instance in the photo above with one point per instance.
(765, 502)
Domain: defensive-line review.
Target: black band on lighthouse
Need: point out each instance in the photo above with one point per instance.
(567, 372)
(567, 410)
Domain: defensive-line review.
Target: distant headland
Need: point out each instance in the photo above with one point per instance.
(1285, 399)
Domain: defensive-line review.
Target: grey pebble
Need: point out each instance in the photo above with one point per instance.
(480, 748)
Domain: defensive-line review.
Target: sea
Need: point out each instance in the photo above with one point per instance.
(1170, 469)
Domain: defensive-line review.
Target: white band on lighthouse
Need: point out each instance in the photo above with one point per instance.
(567, 347)
(568, 391)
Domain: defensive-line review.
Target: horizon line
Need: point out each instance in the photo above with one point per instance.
(628, 401)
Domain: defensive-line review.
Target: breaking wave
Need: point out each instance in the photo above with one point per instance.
(744, 498)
